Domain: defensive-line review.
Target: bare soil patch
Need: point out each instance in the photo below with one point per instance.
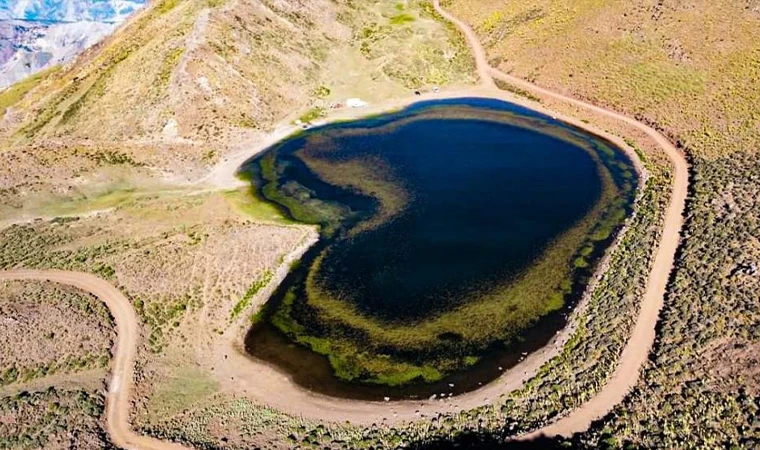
(733, 365)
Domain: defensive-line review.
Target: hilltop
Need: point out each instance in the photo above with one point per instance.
(186, 83)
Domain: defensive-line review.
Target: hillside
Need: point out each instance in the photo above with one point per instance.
(188, 82)
(38, 34)
(692, 69)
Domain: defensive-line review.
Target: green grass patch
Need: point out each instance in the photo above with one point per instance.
(166, 5)
(312, 114)
(402, 19)
(182, 389)
(18, 91)
(580, 262)
(248, 203)
(108, 198)
(243, 303)
(587, 250)
(167, 68)
(504, 86)
(322, 92)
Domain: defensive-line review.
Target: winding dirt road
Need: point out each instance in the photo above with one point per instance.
(640, 343)
(269, 386)
(127, 337)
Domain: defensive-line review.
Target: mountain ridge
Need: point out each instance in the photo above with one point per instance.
(107, 11)
(37, 34)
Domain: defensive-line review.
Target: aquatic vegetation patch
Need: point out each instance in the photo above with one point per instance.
(428, 230)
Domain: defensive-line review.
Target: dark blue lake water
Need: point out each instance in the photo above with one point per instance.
(425, 211)
(485, 199)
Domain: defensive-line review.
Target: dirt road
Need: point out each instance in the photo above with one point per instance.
(640, 343)
(127, 337)
(265, 384)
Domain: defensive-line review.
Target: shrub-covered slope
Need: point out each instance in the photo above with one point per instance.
(692, 69)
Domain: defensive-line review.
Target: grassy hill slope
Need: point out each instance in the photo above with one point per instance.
(692, 69)
(187, 81)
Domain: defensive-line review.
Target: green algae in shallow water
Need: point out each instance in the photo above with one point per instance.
(448, 231)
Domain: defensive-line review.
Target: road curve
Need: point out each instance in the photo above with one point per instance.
(481, 60)
(623, 378)
(122, 369)
(637, 349)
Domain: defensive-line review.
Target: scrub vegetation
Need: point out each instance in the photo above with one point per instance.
(188, 263)
(49, 329)
(53, 418)
(169, 266)
(243, 303)
(703, 370)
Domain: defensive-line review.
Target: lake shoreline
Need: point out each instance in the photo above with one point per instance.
(497, 357)
(259, 379)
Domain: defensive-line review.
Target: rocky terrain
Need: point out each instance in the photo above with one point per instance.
(35, 35)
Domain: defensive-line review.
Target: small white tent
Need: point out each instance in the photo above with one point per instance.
(355, 103)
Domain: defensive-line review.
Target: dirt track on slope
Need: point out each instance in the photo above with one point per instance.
(122, 369)
(267, 385)
(640, 343)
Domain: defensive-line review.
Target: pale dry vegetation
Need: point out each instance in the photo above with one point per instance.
(171, 254)
(227, 422)
(186, 262)
(690, 67)
(48, 329)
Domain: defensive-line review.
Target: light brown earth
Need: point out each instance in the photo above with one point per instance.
(49, 328)
(269, 386)
(186, 84)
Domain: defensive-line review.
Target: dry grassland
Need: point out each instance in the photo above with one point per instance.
(691, 69)
(51, 329)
